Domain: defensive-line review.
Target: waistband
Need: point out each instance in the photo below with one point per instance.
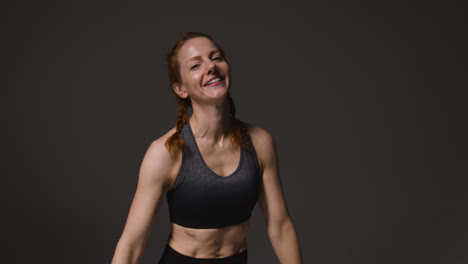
(240, 257)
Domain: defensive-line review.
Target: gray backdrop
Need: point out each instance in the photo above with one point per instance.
(365, 101)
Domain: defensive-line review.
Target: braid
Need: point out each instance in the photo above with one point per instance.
(182, 113)
(240, 135)
(175, 142)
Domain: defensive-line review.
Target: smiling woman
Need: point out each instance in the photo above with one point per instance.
(213, 168)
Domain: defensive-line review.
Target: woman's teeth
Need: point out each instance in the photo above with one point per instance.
(213, 81)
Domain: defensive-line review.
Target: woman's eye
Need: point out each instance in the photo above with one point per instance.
(194, 67)
(217, 58)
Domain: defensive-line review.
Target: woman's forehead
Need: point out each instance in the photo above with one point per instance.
(196, 47)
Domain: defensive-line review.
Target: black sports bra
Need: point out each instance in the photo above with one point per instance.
(200, 198)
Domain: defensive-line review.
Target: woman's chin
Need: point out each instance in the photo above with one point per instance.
(217, 92)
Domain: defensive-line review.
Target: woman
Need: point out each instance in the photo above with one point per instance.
(213, 169)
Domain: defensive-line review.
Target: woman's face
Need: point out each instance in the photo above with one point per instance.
(204, 72)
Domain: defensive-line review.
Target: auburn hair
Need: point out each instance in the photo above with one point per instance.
(238, 134)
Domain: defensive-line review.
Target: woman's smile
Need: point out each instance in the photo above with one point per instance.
(214, 81)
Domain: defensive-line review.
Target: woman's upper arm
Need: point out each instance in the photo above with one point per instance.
(271, 198)
(153, 177)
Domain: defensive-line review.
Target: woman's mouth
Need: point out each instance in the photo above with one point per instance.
(214, 81)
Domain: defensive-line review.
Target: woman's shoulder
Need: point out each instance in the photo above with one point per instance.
(158, 161)
(259, 135)
(263, 143)
(157, 150)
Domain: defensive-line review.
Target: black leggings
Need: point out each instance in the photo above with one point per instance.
(170, 256)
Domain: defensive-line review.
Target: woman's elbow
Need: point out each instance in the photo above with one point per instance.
(280, 229)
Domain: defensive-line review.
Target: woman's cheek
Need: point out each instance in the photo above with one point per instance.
(197, 76)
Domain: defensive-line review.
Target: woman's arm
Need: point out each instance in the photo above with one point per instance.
(280, 228)
(153, 177)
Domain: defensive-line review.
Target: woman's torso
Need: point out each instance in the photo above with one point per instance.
(209, 242)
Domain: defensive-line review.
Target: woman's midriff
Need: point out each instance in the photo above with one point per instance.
(209, 243)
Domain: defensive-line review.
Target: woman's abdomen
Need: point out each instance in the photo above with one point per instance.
(209, 243)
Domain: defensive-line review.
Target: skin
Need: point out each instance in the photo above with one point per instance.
(200, 61)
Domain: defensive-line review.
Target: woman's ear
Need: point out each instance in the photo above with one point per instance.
(179, 89)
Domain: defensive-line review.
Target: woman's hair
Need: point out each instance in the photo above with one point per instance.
(238, 134)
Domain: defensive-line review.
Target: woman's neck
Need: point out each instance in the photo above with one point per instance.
(211, 123)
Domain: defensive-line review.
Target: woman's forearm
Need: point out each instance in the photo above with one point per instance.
(125, 254)
(286, 244)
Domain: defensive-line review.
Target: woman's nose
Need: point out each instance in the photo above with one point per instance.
(211, 67)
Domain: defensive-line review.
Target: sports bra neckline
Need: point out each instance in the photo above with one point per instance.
(239, 165)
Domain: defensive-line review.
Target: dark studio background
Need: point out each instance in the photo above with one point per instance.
(365, 100)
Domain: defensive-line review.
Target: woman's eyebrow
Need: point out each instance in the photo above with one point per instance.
(193, 58)
(214, 51)
(199, 57)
